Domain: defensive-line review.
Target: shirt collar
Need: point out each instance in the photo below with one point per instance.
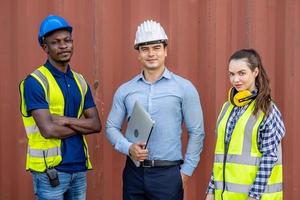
(166, 74)
(56, 72)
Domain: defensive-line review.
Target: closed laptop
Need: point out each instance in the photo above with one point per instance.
(139, 127)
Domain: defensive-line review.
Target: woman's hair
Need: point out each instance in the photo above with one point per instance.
(263, 99)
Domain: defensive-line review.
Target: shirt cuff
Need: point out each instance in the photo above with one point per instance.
(254, 195)
(210, 191)
(123, 147)
(187, 169)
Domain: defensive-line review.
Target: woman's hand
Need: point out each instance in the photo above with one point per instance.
(210, 197)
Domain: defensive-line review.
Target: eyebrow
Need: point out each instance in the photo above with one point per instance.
(147, 47)
(158, 45)
(237, 71)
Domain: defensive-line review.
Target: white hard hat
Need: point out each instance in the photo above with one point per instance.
(150, 32)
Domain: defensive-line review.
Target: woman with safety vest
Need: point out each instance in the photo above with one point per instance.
(248, 158)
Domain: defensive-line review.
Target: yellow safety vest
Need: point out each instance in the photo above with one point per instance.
(235, 172)
(40, 149)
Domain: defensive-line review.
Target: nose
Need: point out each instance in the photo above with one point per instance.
(62, 44)
(151, 52)
(235, 79)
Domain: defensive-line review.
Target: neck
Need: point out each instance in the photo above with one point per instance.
(152, 75)
(61, 66)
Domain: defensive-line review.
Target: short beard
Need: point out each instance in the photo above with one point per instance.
(63, 61)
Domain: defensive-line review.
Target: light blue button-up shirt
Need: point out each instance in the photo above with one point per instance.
(170, 101)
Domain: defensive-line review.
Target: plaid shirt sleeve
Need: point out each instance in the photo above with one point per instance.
(211, 185)
(271, 131)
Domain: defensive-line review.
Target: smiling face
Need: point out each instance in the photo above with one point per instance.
(153, 56)
(241, 76)
(59, 47)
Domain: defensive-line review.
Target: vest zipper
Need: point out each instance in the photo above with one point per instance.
(226, 147)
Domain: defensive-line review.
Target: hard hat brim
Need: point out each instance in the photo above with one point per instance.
(136, 46)
(67, 28)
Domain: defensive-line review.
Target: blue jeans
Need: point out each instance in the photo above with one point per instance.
(72, 186)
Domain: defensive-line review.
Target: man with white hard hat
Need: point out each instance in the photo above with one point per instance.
(170, 100)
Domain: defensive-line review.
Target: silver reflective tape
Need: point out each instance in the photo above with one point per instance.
(248, 134)
(31, 129)
(273, 188)
(82, 82)
(38, 153)
(239, 159)
(224, 110)
(279, 154)
(239, 188)
(242, 159)
(45, 82)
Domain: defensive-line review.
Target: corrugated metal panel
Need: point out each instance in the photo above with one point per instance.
(203, 34)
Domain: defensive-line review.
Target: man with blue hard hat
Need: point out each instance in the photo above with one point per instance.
(58, 110)
(171, 101)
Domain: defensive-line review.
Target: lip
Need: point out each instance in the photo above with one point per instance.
(151, 60)
(64, 52)
(238, 86)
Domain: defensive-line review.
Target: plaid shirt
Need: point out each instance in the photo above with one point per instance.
(271, 131)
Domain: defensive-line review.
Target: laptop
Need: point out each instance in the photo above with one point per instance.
(139, 127)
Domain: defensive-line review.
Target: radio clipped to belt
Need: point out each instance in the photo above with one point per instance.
(51, 173)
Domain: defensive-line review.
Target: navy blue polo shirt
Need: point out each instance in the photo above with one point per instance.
(73, 157)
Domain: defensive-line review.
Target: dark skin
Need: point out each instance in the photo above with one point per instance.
(59, 48)
(53, 126)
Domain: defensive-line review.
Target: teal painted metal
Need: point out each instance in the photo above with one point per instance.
(202, 35)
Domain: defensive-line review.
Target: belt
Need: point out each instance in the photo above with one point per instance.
(160, 163)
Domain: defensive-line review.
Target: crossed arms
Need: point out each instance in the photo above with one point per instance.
(54, 126)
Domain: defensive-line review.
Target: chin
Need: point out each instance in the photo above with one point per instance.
(152, 66)
(66, 59)
(240, 89)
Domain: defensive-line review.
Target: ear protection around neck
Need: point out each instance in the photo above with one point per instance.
(240, 98)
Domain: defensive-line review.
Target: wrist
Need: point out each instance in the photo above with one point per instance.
(129, 150)
(68, 121)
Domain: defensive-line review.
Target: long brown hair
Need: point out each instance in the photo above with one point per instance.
(263, 99)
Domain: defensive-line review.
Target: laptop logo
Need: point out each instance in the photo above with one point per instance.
(136, 133)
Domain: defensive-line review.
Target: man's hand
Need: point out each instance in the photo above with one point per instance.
(210, 197)
(60, 120)
(251, 198)
(138, 152)
(184, 179)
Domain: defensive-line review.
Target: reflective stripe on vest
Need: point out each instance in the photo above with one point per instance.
(32, 129)
(238, 188)
(38, 146)
(243, 157)
(48, 152)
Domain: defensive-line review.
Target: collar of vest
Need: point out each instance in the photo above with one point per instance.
(55, 72)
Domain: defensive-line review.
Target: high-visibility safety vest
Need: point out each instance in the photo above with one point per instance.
(235, 171)
(42, 151)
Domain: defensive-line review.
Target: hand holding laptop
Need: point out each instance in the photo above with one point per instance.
(138, 132)
(138, 151)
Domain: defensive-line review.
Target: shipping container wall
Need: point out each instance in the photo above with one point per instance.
(202, 35)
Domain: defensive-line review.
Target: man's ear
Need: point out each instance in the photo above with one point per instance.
(45, 47)
(166, 50)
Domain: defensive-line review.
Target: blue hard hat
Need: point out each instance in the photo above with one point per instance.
(52, 23)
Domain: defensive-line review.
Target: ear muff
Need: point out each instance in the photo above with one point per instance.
(240, 98)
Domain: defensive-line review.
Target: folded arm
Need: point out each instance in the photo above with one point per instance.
(48, 127)
(89, 123)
